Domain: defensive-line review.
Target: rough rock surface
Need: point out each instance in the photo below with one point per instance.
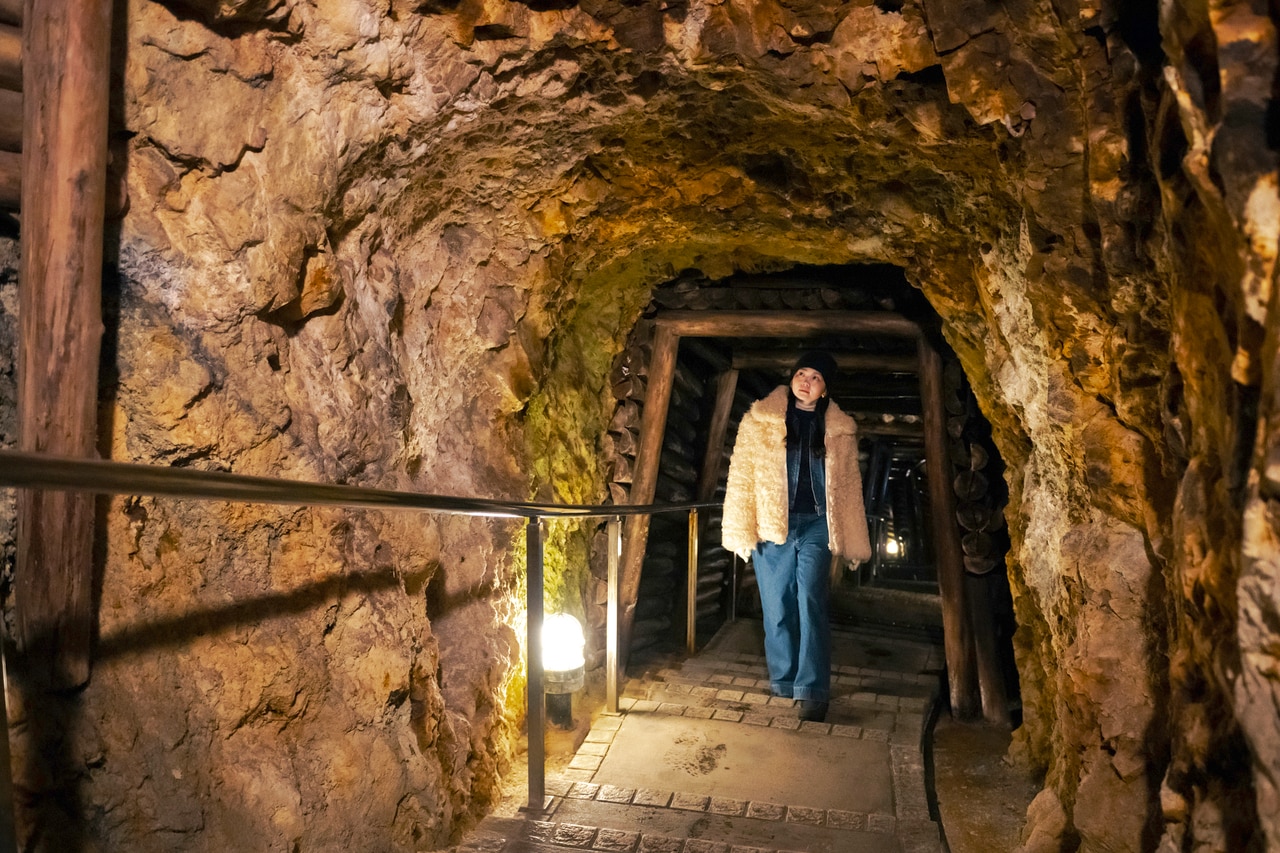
(398, 243)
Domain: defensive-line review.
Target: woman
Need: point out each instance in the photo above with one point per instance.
(794, 498)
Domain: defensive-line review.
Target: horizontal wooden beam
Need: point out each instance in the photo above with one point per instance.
(848, 362)
(785, 324)
(10, 57)
(11, 12)
(10, 180)
(894, 429)
(10, 120)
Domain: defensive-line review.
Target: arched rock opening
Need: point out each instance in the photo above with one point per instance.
(400, 244)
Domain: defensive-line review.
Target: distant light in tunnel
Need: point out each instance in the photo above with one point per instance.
(891, 547)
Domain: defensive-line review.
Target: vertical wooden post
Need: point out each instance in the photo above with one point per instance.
(709, 477)
(66, 69)
(995, 696)
(957, 634)
(691, 587)
(653, 423)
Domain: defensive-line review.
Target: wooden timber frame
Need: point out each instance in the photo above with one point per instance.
(10, 104)
(66, 64)
(964, 669)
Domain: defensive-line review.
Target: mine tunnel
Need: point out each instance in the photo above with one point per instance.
(325, 323)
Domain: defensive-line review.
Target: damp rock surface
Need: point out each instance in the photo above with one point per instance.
(399, 245)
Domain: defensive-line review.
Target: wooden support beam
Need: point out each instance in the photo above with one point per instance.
(10, 120)
(895, 429)
(785, 324)
(10, 57)
(10, 180)
(848, 362)
(653, 424)
(958, 643)
(11, 12)
(995, 695)
(709, 477)
(67, 51)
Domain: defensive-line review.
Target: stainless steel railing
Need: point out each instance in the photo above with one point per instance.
(38, 471)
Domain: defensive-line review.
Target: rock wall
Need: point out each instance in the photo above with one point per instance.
(399, 244)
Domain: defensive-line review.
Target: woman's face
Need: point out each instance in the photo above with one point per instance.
(808, 386)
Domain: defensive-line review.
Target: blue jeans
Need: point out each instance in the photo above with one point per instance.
(794, 579)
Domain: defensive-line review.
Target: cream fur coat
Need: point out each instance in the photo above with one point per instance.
(755, 502)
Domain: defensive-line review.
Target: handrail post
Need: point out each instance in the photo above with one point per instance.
(691, 615)
(536, 701)
(611, 619)
(733, 588)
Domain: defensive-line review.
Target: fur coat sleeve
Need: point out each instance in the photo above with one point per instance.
(755, 499)
(846, 513)
(755, 503)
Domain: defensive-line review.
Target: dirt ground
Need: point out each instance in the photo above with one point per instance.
(982, 796)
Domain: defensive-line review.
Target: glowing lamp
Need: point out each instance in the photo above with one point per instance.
(563, 665)
(562, 644)
(891, 547)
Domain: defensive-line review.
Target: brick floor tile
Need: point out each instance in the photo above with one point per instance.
(702, 845)
(660, 844)
(727, 806)
(802, 814)
(616, 841)
(841, 819)
(583, 791)
(574, 835)
(767, 811)
(615, 794)
(651, 797)
(690, 802)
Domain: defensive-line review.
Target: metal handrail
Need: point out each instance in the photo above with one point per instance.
(40, 471)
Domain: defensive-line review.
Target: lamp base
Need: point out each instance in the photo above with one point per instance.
(560, 709)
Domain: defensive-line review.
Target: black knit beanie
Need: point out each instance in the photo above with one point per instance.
(820, 361)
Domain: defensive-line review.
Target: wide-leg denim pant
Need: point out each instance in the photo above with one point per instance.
(793, 579)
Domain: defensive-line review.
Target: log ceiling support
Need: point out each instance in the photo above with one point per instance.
(66, 54)
(709, 476)
(848, 362)
(957, 632)
(785, 324)
(672, 325)
(653, 423)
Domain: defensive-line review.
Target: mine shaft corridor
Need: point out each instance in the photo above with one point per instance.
(700, 756)
(932, 479)
(371, 283)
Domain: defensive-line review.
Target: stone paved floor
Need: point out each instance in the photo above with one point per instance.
(702, 759)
